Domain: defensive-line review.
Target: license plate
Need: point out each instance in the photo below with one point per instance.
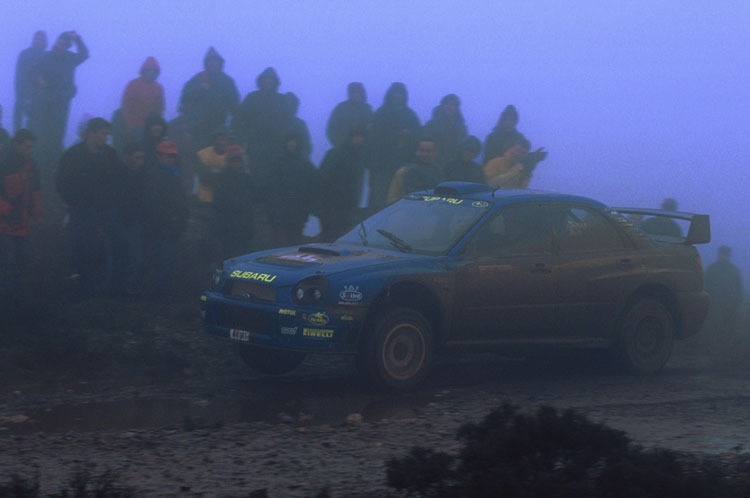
(239, 335)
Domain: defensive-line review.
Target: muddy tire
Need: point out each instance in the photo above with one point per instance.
(646, 337)
(270, 361)
(398, 351)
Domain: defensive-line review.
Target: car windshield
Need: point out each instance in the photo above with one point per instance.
(419, 223)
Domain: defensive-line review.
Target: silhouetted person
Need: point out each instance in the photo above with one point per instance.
(263, 119)
(154, 132)
(351, 113)
(503, 136)
(20, 200)
(25, 82)
(142, 97)
(50, 104)
(391, 142)
(208, 98)
(464, 168)
(447, 128)
(169, 214)
(133, 214)
(298, 125)
(234, 202)
(661, 225)
(4, 138)
(290, 192)
(89, 180)
(341, 177)
(423, 174)
(209, 164)
(723, 283)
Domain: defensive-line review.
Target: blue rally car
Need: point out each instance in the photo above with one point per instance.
(465, 264)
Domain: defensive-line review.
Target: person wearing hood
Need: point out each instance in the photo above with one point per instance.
(20, 200)
(463, 168)
(290, 194)
(423, 174)
(393, 139)
(143, 96)
(169, 213)
(351, 113)
(24, 78)
(54, 75)
(233, 205)
(447, 127)
(208, 98)
(341, 177)
(503, 136)
(299, 126)
(263, 119)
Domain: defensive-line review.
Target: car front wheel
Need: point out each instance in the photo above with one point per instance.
(270, 361)
(646, 336)
(398, 351)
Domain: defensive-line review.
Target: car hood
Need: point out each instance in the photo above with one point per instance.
(289, 265)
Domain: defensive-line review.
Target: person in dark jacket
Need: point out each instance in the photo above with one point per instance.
(169, 213)
(25, 83)
(723, 283)
(661, 225)
(88, 181)
(423, 174)
(464, 168)
(292, 187)
(298, 124)
(154, 132)
(503, 136)
(262, 120)
(133, 214)
(208, 98)
(50, 104)
(4, 138)
(392, 141)
(447, 127)
(20, 200)
(341, 176)
(351, 113)
(233, 205)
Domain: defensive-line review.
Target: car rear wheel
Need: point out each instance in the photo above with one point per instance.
(398, 351)
(646, 336)
(270, 361)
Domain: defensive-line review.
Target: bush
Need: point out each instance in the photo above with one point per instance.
(553, 454)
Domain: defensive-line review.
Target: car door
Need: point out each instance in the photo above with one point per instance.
(594, 265)
(504, 278)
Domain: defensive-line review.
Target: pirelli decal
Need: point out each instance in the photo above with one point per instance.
(320, 333)
(250, 275)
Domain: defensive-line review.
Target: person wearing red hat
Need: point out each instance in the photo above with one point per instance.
(233, 205)
(169, 208)
(142, 96)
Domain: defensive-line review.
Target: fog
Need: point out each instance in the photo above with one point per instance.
(634, 101)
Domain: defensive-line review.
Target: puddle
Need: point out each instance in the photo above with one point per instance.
(191, 414)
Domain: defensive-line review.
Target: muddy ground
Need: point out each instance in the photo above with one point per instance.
(136, 387)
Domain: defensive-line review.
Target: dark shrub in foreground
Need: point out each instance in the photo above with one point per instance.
(554, 454)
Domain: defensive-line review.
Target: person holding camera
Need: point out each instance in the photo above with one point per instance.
(54, 77)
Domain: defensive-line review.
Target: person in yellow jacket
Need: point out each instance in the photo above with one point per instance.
(211, 162)
(508, 172)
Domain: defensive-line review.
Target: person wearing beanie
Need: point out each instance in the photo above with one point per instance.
(169, 213)
(392, 142)
(349, 114)
(233, 206)
(464, 168)
(447, 127)
(89, 179)
(263, 119)
(208, 98)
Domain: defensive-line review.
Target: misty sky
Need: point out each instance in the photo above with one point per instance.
(635, 100)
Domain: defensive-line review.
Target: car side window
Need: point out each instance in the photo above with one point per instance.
(515, 230)
(579, 229)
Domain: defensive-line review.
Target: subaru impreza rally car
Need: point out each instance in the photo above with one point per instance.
(466, 264)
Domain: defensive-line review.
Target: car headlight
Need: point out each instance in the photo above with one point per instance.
(217, 277)
(310, 290)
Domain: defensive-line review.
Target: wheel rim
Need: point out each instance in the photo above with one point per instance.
(403, 351)
(648, 340)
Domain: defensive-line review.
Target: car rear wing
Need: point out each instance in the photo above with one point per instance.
(700, 225)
